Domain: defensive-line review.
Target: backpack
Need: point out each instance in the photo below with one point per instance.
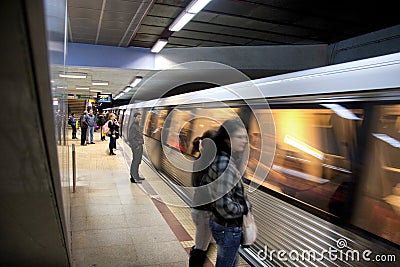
(70, 121)
(105, 128)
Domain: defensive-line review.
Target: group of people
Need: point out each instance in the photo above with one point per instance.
(87, 124)
(222, 216)
(88, 121)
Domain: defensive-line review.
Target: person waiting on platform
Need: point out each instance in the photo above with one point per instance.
(72, 122)
(91, 123)
(113, 133)
(101, 120)
(201, 213)
(136, 143)
(230, 202)
(84, 127)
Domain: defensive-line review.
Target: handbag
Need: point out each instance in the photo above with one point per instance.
(249, 230)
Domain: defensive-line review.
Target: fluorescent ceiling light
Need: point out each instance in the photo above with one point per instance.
(181, 21)
(99, 83)
(159, 45)
(82, 88)
(73, 76)
(197, 5)
(127, 89)
(192, 9)
(136, 81)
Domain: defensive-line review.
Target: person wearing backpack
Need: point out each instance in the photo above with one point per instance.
(101, 120)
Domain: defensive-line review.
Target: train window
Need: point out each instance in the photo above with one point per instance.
(313, 156)
(377, 207)
(208, 119)
(155, 123)
(190, 124)
(178, 129)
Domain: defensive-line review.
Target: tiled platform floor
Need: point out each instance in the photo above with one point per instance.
(117, 223)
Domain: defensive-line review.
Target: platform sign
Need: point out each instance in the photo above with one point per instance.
(83, 96)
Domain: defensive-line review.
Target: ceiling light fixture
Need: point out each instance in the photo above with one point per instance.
(73, 76)
(99, 83)
(136, 81)
(119, 95)
(197, 5)
(127, 89)
(82, 88)
(159, 45)
(192, 9)
(181, 21)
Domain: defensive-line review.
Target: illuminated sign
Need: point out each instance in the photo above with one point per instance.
(104, 98)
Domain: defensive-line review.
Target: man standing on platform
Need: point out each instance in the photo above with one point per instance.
(84, 127)
(91, 122)
(136, 144)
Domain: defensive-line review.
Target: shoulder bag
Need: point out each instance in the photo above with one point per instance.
(249, 229)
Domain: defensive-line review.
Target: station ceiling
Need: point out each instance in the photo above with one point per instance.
(141, 23)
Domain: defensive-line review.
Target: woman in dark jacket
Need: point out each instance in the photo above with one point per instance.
(113, 133)
(201, 211)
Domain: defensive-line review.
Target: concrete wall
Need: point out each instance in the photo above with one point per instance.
(288, 58)
(379, 43)
(32, 226)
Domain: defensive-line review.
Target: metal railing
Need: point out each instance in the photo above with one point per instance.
(73, 169)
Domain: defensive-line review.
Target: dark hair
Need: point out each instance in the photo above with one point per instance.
(228, 127)
(136, 114)
(208, 134)
(198, 175)
(196, 145)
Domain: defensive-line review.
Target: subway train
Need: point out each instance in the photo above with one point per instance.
(323, 161)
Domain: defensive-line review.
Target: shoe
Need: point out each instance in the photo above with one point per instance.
(112, 153)
(135, 181)
(83, 145)
(92, 142)
(141, 178)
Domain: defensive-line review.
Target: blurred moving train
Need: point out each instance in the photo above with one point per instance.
(332, 194)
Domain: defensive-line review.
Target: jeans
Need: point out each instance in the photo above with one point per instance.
(113, 143)
(228, 241)
(201, 219)
(73, 131)
(90, 134)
